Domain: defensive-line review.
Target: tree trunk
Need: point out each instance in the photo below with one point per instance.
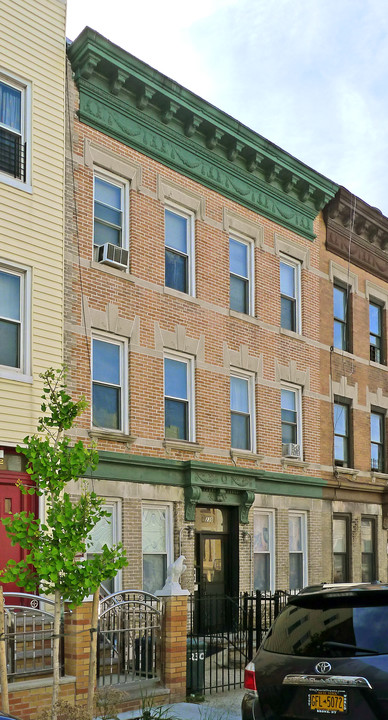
(93, 654)
(56, 652)
(3, 658)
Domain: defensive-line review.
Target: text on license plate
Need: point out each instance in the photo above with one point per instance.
(327, 702)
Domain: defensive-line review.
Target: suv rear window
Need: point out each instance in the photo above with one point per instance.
(326, 630)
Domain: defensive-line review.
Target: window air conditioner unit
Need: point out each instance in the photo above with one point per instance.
(113, 255)
(291, 450)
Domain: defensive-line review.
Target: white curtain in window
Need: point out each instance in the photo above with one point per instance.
(10, 107)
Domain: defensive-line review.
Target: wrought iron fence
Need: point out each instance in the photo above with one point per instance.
(129, 632)
(223, 635)
(29, 628)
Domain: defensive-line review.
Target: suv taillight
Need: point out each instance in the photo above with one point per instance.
(249, 677)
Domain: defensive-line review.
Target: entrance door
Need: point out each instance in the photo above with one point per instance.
(12, 501)
(213, 581)
(216, 547)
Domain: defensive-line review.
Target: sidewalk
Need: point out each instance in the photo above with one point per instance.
(217, 706)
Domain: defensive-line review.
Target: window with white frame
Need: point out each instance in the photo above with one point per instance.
(377, 440)
(110, 210)
(179, 250)
(376, 314)
(178, 398)
(290, 299)
(14, 123)
(157, 545)
(341, 296)
(291, 419)
(341, 548)
(14, 325)
(107, 532)
(242, 416)
(341, 434)
(368, 549)
(298, 550)
(241, 276)
(264, 550)
(109, 384)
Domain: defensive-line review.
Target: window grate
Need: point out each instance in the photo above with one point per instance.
(12, 154)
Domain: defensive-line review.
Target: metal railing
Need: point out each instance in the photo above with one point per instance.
(12, 154)
(223, 636)
(29, 628)
(129, 633)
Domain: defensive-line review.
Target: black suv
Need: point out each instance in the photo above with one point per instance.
(326, 654)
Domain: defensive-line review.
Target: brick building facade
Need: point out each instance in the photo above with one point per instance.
(198, 324)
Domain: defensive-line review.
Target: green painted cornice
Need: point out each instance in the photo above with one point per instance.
(127, 99)
(206, 483)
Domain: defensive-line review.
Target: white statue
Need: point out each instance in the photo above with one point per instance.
(172, 584)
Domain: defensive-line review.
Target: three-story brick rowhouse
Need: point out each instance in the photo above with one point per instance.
(354, 373)
(195, 268)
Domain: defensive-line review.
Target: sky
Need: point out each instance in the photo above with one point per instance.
(308, 75)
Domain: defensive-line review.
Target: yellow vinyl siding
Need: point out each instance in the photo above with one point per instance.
(32, 41)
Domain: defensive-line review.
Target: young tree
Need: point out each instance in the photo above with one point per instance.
(56, 544)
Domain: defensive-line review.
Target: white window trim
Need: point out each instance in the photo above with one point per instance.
(251, 274)
(250, 377)
(114, 504)
(296, 265)
(123, 344)
(169, 529)
(180, 357)
(190, 217)
(115, 180)
(271, 543)
(26, 124)
(298, 404)
(304, 541)
(23, 373)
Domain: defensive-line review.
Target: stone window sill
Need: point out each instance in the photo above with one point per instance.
(111, 435)
(339, 470)
(180, 295)
(171, 444)
(246, 455)
(291, 333)
(294, 462)
(242, 316)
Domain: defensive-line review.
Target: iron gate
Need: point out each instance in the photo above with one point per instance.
(129, 631)
(216, 659)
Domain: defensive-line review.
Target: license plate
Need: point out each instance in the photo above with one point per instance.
(327, 702)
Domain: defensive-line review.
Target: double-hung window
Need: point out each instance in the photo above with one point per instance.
(241, 276)
(377, 441)
(179, 254)
(341, 543)
(13, 129)
(290, 311)
(178, 398)
(341, 314)
(368, 549)
(263, 550)
(109, 383)
(110, 211)
(341, 434)
(298, 550)
(107, 531)
(14, 330)
(291, 419)
(242, 412)
(157, 545)
(375, 332)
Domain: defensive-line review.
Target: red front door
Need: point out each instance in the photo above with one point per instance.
(11, 502)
